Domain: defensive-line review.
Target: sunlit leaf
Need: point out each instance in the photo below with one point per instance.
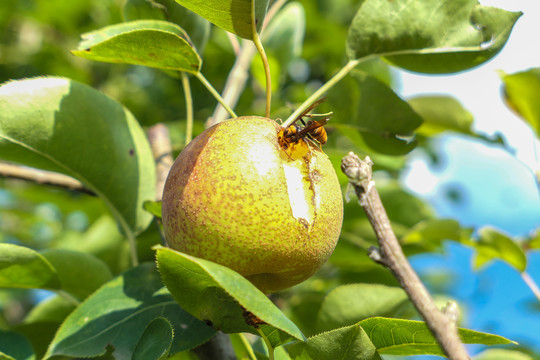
(234, 16)
(152, 43)
(521, 94)
(21, 267)
(430, 36)
(441, 113)
(409, 337)
(217, 294)
(64, 126)
(493, 244)
(350, 343)
(348, 304)
(125, 306)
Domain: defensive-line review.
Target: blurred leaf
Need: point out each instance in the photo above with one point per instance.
(41, 323)
(402, 206)
(429, 36)
(284, 35)
(533, 242)
(493, 244)
(14, 346)
(80, 273)
(144, 9)
(217, 294)
(152, 43)
(125, 305)
(383, 119)
(64, 126)
(258, 72)
(348, 304)
(155, 342)
(153, 207)
(409, 337)
(53, 309)
(103, 240)
(350, 343)
(234, 16)
(242, 347)
(431, 233)
(441, 113)
(21, 267)
(522, 94)
(502, 354)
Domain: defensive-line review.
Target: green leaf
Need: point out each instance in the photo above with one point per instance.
(441, 113)
(152, 43)
(521, 92)
(195, 26)
(219, 295)
(348, 304)
(383, 119)
(21, 267)
(80, 273)
(493, 244)
(502, 354)
(430, 36)
(234, 16)
(64, 126)
(153, 207)
(350, 343)
(155, 342)
(14, 346)
(125, 305)
(409, 337)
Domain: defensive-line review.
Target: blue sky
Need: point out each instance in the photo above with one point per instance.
(498, 187)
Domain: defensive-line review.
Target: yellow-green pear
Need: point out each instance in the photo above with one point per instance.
(235, 196)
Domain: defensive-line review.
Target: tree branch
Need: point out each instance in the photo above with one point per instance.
(42, 177)
(391, 255)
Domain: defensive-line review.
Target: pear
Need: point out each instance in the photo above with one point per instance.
(240, 196)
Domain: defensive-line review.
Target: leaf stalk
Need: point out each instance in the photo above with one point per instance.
(264, 58)
(214, 93)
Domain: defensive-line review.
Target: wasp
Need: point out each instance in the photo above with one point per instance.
(312, 130)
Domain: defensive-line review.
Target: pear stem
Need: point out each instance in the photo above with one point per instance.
(189, 107)
(320, 92)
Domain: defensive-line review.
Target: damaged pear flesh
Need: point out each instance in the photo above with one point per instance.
(235, 197)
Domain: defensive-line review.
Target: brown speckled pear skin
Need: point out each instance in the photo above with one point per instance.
(233, 196)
